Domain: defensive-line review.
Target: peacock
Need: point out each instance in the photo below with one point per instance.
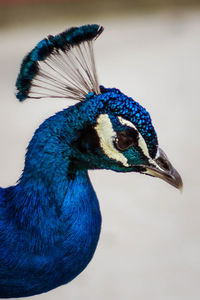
(50, 220)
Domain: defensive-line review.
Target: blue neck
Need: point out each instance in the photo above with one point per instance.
(56, 211)
(44, 209)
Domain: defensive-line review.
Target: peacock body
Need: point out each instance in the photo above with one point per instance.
(50, 220)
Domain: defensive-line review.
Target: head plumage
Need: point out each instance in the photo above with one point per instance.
(61, 66)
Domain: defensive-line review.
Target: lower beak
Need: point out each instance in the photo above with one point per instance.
(162, 168)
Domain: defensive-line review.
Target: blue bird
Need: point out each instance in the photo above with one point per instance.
(50, 220)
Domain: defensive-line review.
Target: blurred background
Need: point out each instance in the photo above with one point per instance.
(150, 241)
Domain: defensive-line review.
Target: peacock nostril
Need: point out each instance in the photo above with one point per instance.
(163, 164)
(162, 168)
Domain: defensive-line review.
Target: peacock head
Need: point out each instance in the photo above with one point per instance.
(116, 132)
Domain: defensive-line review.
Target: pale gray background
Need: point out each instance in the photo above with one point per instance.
(150, 241)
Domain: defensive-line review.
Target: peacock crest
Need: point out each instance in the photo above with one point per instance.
(61, 66)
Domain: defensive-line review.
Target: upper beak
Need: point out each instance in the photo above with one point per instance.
(162, 168)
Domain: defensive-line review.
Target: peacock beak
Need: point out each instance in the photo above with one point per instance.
(162, 168)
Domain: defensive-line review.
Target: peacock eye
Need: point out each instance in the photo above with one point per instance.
(126, 139)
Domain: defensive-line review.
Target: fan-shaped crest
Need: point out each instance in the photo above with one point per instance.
(61, 66)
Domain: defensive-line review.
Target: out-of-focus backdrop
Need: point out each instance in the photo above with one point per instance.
(150, 241)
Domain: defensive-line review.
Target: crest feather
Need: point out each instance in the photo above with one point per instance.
(61, 66)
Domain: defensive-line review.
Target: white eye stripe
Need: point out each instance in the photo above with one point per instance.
(141, 142)
(106, 135)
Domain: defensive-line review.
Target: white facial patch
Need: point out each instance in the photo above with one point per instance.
(141, 142)
(107, 135)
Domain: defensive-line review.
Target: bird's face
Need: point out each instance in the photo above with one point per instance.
(122, 138)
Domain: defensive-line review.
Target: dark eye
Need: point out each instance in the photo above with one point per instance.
(125, 139)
